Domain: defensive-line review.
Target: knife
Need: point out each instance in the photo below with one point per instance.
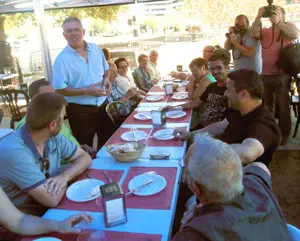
(139, 188)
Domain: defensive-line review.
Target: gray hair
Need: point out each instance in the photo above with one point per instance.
(153, 51)
(215, 166)
(70, 20)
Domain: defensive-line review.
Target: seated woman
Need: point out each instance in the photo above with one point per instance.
(124, 77)
(130, 98)
(199, 79)
(142, 75)
(198, 82)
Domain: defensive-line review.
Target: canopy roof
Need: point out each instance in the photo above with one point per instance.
(14, 6)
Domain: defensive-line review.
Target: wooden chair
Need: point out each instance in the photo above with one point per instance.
(12, 99)
(117, 112)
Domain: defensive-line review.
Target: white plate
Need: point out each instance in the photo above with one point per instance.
(84, 190)
(165, 134)
(158, 184)
(154, 97)
(47, 239)
(180, 96)
(174, 114)
(134, 136)
(143, 116)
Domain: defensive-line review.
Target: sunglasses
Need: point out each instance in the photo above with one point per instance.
(45, 165)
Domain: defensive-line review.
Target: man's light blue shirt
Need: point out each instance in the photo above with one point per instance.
(72, 70)
(21, 166)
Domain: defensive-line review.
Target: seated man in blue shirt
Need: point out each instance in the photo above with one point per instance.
(30, 157)
(236, 203)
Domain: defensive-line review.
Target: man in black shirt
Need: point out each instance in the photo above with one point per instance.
(213, 96)
(235, 203)
(249, 126)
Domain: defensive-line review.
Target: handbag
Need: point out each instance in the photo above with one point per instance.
(289, 59)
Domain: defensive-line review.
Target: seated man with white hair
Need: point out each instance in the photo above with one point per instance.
(236, 203)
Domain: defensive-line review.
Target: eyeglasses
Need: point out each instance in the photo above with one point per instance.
(45, 165)
(123, 67)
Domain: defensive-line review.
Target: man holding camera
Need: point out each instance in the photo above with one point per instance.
(246, 51)
(276, 81)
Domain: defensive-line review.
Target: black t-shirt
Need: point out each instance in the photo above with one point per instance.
(254, 216)
(217, 104)
(258, 124)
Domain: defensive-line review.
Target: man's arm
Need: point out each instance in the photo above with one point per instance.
(92, 90)
(80, 162)
(214, 129)
(260, 165)
(249, 150)
(289, 30)
(247, 51)
(256, 25)
(18, 222)
(228, 44)
(192, 104)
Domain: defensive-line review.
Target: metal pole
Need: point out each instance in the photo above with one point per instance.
(39, 15)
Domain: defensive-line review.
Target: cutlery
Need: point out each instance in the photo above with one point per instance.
(91, 195)
(134, 135)
(107, 177)
(139, 188)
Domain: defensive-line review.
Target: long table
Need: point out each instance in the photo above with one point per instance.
(145, 215)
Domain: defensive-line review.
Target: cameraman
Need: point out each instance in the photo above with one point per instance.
(276, 81)
(246, 51)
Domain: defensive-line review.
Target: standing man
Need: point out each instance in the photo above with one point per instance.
(276, 81)
(80, 73)
(153, 66)
(246, 51)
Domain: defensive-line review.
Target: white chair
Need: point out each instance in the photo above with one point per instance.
(294, 232)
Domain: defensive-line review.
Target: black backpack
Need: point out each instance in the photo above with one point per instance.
(290, 58)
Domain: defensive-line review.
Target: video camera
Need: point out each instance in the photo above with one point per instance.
(235, 30)
(269, 10)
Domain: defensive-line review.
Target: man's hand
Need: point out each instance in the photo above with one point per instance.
(180, 133)
(169, 108)
(67, 225)
(56, 184)
(93, 90)
(233, 38)
(107, 85)
(88, 149)
(154, 81)
(277, 17)
(261, 12)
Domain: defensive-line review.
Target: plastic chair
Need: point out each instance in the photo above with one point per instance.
(117, 112)
(13, 100)
(293, 232)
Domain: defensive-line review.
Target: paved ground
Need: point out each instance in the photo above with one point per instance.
(285, 169)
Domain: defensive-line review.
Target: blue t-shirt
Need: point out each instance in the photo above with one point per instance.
(244, 62)
(72, 70)
(21, 166)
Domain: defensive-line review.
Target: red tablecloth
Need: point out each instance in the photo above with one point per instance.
(115, 175)
(161, 200)
(112, 236)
